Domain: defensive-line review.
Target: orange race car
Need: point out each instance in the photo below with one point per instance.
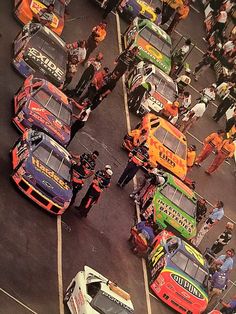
(26, 10)
(167, 145)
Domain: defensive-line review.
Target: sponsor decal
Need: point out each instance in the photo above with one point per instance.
(36, 6)
(154, 52)
(117, 301)
(45, 62)
(195, 253)
(176, 216)
(49, 173)
(158, 253)
(187, 286)
(167, 155)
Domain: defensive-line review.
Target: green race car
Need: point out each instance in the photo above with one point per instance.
(171, 204)
(154, 44)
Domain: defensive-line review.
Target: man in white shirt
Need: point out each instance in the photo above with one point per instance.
(193, 115)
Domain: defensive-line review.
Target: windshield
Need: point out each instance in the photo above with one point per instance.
(179, 199)
(58, 109)
(48, 46)
(104, 303)
(171, 142)
(189, 267)
(58, 6)
(54, 161)
(165, 88)
(159, 43)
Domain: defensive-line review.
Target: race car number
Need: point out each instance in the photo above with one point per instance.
(195, 253)
(157, 255)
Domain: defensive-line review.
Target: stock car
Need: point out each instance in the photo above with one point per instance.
(40, 104)
(90, 292)
(153, 42)
(178, 274)
(166, 88)
(39, 51)
(26, 10)
(171, 204)
(42, 171)
(167, 145)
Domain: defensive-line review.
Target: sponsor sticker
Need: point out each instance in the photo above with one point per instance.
(187, 286)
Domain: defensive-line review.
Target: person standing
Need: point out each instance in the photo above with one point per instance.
(101, 181)
(181, 14)
(201, 209)
(231, 122)
(224, 262)
(76, 55)
(169, 7)
(170, 111)
(218, 282)
(225, 150)
(136, 96)
(97, 36)
(82, 168)
(193, 115)
(138, 158)
(211, 143)
(184, 80)
(191, 156)
(125, 61)
(104, 91)
(227, 102)
(228, 308)
(219, 26)
(93, 65)
(110, 5)
(178, 58)
(95, 85)
(216, 214)
(209, 58)
(185, 103)
(223, 239)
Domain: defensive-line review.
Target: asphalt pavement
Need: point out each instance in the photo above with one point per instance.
(29, 236)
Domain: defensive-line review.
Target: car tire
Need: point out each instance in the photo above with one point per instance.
(69, 292)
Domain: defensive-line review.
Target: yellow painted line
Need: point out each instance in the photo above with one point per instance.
(148, 301)
(59, 264)
(17, 301)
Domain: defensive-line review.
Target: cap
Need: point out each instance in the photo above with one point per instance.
(108, 167)
(109, 172)
(204, 99)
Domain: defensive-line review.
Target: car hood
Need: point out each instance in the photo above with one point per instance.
(47, 179)
(148, 52)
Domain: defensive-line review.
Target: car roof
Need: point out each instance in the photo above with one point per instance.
(181, 186)
(149, 24)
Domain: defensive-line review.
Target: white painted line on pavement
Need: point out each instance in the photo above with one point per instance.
(148, 301)
(59, 265)
(186, 38)
(17, 301)
(196, 10)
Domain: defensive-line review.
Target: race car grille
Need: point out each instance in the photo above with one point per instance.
(39, 198)
(179, 306)
(23, 185)
(182, 297)
(55, 209)
(48, 194)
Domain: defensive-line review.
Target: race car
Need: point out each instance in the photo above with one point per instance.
(39, 51)
(26, 10)
(90, 292)
(165, 92)
(153, 42)
(42, 171)
(171, 204)
(167, 145)
(178, 274)
(41, 105)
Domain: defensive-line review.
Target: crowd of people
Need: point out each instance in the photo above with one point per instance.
(98, 81)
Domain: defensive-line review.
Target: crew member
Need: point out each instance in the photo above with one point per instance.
(211, 143)
(125, 61)
(138, 158)
(100, 182)
(136, 96)
(170, 111)
(97, 36)
(225, 150)
(227, 102)
(219, 282)
(201, 209)
(224, 262)
(83, 168)
(178, 58)
(228, 308)
(223, 239)
(191, 156)
(231, 123)
(181, 13)
(169, 7)
(184, 80)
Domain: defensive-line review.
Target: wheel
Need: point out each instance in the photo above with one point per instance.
(69, 292)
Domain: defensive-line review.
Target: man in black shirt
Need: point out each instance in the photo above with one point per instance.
(225, 104)
(231, 122)
(105, 90)
(223, 239)
(125, 61)
(201, 209)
